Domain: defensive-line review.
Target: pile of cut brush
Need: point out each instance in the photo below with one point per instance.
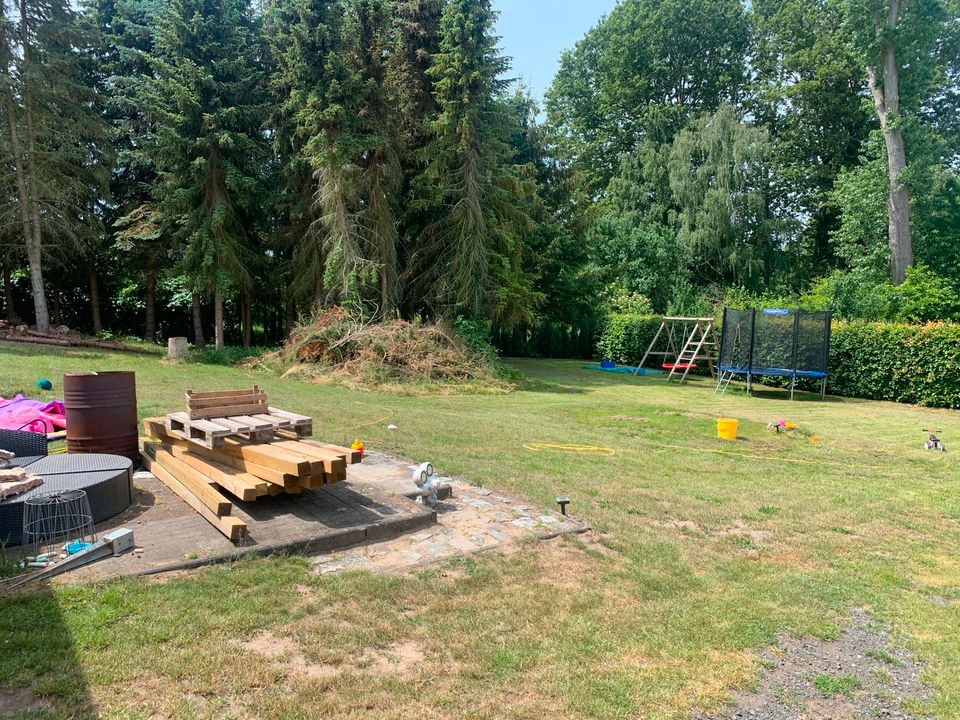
(418, 356)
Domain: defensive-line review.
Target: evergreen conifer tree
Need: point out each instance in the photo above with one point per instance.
(206, 107)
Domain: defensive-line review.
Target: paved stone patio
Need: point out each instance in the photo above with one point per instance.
(473, 519)
(364, 523)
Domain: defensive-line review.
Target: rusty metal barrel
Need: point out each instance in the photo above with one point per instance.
(101, 411)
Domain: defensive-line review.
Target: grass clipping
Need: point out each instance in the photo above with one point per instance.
(407, 357)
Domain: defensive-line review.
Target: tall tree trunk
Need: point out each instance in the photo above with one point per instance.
(11, 315)
(197, 322)
(95, 299)
(246, 319)
(218, 318)
(291, 316)
(34, 252)
(885, 88)
(150, 301)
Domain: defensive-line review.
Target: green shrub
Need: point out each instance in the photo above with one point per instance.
(624, 337)
(923, 297)
(858, 295)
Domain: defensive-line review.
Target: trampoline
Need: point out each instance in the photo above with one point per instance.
(774, 342)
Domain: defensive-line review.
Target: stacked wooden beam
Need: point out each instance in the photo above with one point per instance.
(244, 469)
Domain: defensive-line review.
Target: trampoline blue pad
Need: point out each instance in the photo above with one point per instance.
(624, 369)
(784, 372)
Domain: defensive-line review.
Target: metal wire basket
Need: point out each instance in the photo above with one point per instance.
(57, 524)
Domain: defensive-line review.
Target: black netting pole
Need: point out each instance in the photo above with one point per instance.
(796, 340)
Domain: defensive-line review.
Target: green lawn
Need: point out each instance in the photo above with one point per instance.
(701, 557)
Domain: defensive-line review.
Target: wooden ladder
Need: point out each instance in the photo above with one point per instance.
(702, 336)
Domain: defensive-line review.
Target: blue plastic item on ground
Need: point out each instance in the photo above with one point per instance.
(623, 369)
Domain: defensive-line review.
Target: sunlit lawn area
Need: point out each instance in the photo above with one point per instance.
(698, 558)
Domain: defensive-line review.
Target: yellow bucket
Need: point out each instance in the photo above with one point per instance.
(727, 428)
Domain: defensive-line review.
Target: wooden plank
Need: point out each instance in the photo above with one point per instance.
(234, 426)
(241, 484)
(275, 422)
(253, 423)
(234, 528)
(204, 426)
(332, 462)
(225, 411)
(204, 403)
(195, 481)
(217, 394)
(269, 475)
(352, 456)
(312, 481)
(298, 465)
(292, 417)
(269, 456)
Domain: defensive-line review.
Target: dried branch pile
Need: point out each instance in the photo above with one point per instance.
(333, 345)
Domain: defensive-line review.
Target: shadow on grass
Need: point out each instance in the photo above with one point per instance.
(40, 671)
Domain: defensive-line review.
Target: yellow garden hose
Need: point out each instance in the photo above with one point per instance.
(578, 449)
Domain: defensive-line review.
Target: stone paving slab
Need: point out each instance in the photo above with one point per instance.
(364, 523)
(474, 519)
(173, 536)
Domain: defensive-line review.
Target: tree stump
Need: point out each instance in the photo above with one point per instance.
(177, 348)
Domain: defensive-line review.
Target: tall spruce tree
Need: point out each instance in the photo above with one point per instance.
(135, 224)
(472, 254)
(206, 105)
(415, 44)
(380, 152)
(317, 88)
(54, 132)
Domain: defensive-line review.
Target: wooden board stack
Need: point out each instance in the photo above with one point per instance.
(213, 416)
(247, 470)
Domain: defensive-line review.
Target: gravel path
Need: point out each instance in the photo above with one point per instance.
(858, 675)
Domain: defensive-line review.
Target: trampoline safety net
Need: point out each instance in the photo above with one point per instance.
(772, 341)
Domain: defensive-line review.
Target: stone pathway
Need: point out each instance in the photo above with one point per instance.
(862, 674)
(473, 519)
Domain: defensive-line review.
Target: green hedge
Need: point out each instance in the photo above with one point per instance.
(624, 338)
(905, 363)
(917, 364)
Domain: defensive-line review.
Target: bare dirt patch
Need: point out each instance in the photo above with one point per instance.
(684, 526)
(21, 700)
(397, 658)
(630, 418)
(741, 531)
(861, 674)
(565, 566)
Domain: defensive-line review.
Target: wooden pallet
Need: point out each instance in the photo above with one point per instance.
(258, 428)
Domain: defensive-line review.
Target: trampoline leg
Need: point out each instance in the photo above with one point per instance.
(793, 382)
(823, 388)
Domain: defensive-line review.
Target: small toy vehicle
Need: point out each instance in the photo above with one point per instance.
(933, 442)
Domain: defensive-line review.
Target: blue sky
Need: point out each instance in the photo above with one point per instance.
(535, 32)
